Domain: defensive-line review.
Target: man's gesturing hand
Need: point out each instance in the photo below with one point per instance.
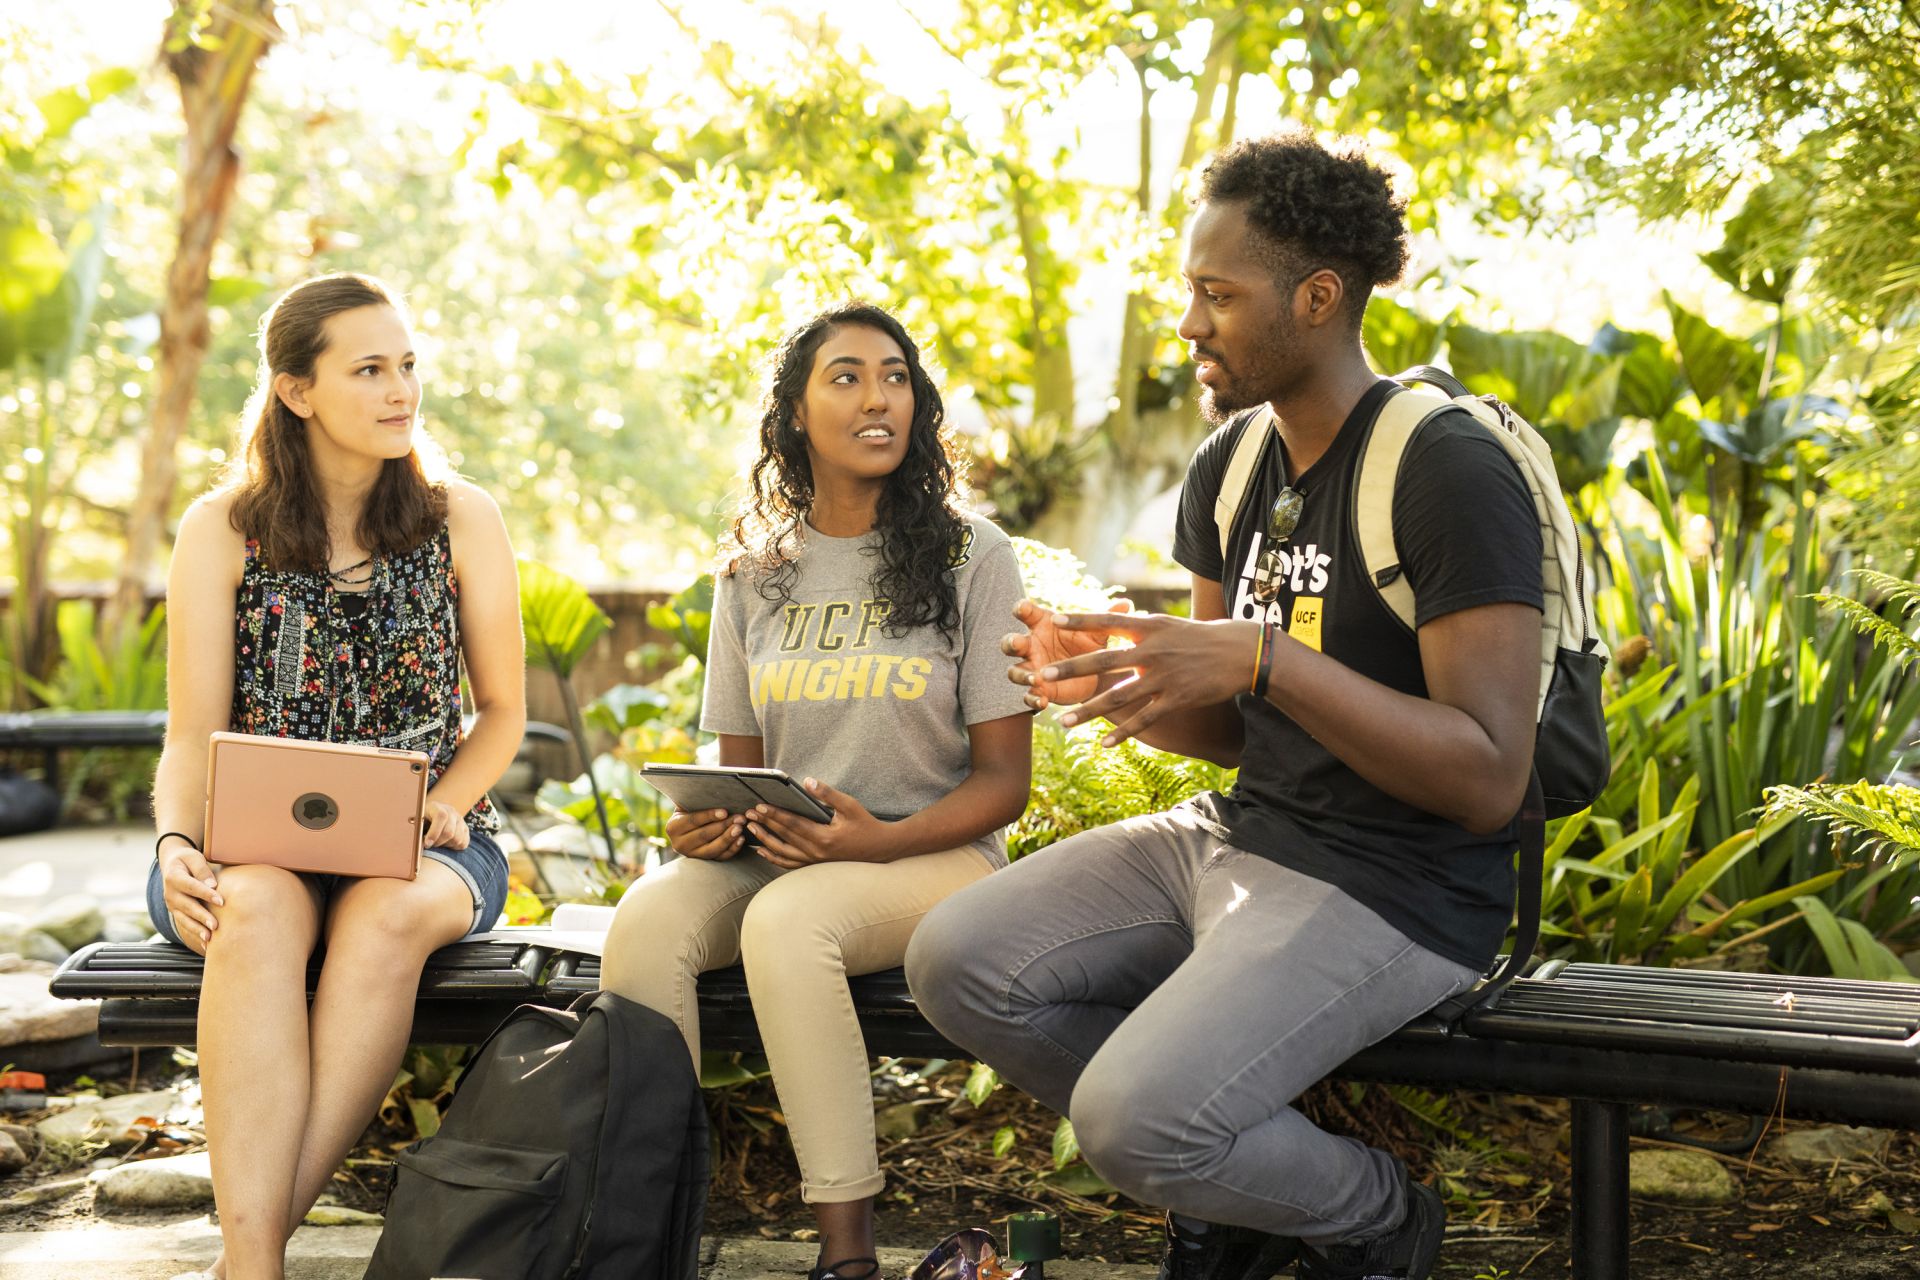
(1177, 664)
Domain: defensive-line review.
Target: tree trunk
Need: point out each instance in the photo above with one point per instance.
(215, 74)
(1143, 451)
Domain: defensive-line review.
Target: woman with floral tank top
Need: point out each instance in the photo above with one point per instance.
(332, 592)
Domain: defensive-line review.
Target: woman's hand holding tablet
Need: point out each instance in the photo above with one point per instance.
(734, 788)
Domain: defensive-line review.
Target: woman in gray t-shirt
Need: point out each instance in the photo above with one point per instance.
(856, 645)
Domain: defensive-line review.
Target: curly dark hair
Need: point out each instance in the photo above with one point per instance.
(1315, 205)
(919, 517)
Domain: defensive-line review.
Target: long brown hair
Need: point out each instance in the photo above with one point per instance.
(276, 500)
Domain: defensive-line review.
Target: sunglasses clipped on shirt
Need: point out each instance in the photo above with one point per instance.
(1268, 570)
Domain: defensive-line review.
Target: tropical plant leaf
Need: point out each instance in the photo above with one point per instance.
(981, 1082)
(425, 1114)
(625, 706)
(1534, 372)
(688, 617)
(560, 618)
(1398, 338)
(1066, 1147)
(1752, 258)
(1851, 951)
(1080, 1180)
(1650, 381)
(1716, 364)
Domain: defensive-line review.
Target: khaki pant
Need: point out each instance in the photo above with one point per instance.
(799, 934)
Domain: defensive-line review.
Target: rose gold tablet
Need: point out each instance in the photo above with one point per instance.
(315, 806)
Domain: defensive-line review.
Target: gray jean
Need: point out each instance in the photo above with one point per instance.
(1173, 995)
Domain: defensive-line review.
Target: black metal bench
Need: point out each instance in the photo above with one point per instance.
(1607, 1037)
(51, 732)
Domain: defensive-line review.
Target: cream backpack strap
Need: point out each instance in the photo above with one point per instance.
(1400, 417)
(1239, 475)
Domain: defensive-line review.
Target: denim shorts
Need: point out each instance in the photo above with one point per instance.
(481, 865)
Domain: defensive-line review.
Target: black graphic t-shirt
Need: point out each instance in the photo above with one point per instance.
(1467, 535)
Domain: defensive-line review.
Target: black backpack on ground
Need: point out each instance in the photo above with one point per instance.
(575, 1149)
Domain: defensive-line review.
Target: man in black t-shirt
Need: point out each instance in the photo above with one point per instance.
(1174, 981)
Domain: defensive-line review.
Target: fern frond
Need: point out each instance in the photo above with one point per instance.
(1883, 817)
(1079, 784)
(1897, 596)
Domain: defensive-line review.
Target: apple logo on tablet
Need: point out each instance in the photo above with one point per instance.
(315, 812)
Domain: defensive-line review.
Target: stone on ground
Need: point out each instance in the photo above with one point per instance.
(107, 1119)
(38, 944)
(29, 1015)
(171, 1182)
(13, 1157)
(127, 928)
(1830, 1143)
(1678, 1177)
(338, 1215)
(72, 921)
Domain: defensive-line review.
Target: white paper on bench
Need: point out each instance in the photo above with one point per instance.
(576, 926)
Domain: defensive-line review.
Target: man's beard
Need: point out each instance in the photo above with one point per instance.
(1267, 377)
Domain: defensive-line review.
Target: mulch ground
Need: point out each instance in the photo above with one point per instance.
(1501, 1161)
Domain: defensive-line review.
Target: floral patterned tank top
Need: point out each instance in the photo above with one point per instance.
(378, 666)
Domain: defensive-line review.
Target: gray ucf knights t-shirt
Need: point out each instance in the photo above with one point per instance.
(882, 718)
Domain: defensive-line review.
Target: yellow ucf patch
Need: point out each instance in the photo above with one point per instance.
(962, 550)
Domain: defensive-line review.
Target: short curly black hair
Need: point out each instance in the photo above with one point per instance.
(1316, 205)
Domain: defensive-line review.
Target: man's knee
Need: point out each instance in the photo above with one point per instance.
(1135, 1128)
(945, 960)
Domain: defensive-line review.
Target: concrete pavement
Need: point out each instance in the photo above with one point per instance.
(107, 864)
(126, 1251)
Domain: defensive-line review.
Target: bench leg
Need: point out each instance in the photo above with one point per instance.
(1599, 1191)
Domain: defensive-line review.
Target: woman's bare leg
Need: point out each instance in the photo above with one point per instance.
(379, 935)
(253, 1058)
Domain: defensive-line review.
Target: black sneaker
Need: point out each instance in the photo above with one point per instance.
(1406, 1253)
(1198, 1250)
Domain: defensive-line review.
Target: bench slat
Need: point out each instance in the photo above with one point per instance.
(1833, 1023)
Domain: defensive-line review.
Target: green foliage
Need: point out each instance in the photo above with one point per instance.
(560, 619)
(132, 677)
(688, 617)
(1641, 897)
(1897, 594)
(1079, 785)
(1746, 689)
(981, 1083)
(1850, 948)
(88, 676)
(1057, 579)
(424, 1087)
(1681, 105)
(562, 623)
(1883, 817)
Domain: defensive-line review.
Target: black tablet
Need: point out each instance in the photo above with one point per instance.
(693, 787)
